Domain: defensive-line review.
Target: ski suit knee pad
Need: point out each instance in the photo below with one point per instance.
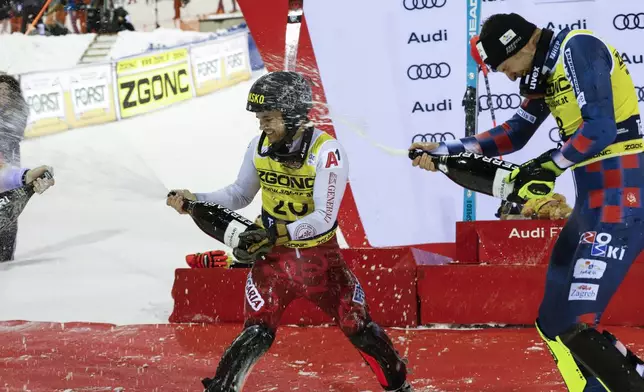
(378, 351)
(239, 358)
(599, 356)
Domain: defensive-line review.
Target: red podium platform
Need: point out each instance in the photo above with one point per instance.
(388, 277)
(497, 276)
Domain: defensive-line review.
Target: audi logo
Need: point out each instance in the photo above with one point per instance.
(433, 137)
(500, 101)
(629, 21)
(429, 71)
(640, 93)
(555, 135)
(412, 5)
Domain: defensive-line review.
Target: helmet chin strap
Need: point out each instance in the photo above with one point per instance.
(280, 150)
(534, 83)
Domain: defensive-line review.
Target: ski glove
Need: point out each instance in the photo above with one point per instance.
(254, 244)
(535, 178)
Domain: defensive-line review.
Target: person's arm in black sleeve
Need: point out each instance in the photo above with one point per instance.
(504, 139)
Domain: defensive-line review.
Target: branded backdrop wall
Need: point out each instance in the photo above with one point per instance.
(394, 72)
(94, 94)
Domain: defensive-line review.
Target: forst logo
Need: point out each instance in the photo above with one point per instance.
(40, 103)
(208, 68)
(256, 98)
(86, 96)
(235, 60)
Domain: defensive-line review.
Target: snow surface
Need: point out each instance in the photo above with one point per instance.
(130, 43)
(144, 16)
(22, 54)
(101, 245)
(41, 53)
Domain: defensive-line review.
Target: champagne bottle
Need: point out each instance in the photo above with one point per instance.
(219, 222)
(474, 172)
(12, 202)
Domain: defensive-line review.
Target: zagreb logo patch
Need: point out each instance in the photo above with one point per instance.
(583, 292)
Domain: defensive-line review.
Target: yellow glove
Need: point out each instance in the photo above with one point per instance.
(534, 179)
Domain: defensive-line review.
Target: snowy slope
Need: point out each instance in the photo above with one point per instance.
(21, 54)
(144, 15)
(130, 43)
(102, 245)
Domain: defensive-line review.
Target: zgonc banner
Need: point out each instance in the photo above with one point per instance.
(89, 95)
(152, 82)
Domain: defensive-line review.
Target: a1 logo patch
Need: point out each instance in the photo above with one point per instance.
(333, 159)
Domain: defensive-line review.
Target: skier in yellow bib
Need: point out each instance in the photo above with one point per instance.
(583, 82)
(302, 174)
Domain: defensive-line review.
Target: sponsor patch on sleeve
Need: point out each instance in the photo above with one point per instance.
(526, 116)
(358, 295)
(583, 292)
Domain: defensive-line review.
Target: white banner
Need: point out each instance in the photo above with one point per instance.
(89, 88)
(394, 72)
(59, 100)
(235, 50)
(220, 63)
(389, 72)
(44, 95)
(206, 61)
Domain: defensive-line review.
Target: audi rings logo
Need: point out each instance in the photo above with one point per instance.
(629, 21)
(640, 93)
(412, 5)
(555, 135)
(429, 71)
(433, 137)
(500, 101)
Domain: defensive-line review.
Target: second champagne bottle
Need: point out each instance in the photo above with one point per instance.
(474, 172)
